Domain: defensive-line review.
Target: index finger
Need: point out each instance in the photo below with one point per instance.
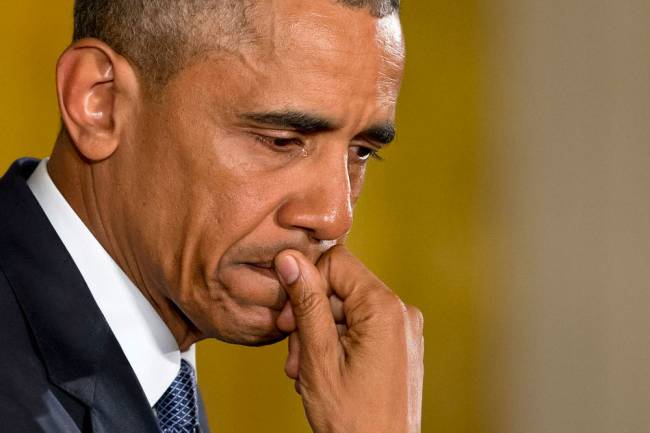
(351, 280)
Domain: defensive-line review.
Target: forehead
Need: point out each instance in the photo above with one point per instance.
(313, 54)
(328, 37)
(285, 23)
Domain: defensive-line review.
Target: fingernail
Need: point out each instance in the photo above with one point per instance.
(287, 268)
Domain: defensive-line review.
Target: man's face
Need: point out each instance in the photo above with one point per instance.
(253, 152)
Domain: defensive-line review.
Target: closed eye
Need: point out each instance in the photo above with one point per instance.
(280, 143)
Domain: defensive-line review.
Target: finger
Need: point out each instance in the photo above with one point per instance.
(344, 272)
(416, 334)
(416, 320)
(292, 366)
(341, 330)
(286, 322)
(336, 305)
(364, 295)
(314, 320)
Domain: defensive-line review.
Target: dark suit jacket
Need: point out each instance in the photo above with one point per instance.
(61, 368)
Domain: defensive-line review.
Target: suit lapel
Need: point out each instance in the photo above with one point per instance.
(79, 351)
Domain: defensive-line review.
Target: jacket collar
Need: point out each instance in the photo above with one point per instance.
(79, 351)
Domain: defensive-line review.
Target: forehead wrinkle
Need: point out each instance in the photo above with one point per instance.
(288, 25)
(300, 21)
(389, 35)
(390, 39)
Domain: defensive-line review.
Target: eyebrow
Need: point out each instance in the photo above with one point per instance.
(383, 133)
(305, 123)
(295, 120)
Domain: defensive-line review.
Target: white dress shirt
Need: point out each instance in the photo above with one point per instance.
(147, 342)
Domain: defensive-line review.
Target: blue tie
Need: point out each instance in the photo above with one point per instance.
(177, 409)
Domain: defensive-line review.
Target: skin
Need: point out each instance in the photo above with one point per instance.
(243, 161)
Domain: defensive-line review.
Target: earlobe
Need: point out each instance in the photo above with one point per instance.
(86, 90)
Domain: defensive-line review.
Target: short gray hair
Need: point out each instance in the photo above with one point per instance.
(161, 36)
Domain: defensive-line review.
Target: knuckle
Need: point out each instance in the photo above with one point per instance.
(322, 345)
(370, 294)
(393, 313)
(290, 371)
(377, 291)
(394, 304)
(417, 318)
(308, 304)
(378, 299)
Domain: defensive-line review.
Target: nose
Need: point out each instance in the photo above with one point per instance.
(320, 203)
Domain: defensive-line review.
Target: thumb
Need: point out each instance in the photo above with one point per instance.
(307, 291)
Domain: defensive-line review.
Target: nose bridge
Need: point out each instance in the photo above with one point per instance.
(321, 200)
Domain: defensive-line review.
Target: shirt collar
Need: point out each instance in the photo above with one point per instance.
(146, 341)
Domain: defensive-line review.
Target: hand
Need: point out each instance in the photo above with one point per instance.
(365, 377)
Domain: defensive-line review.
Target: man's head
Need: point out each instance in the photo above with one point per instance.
(264, 116)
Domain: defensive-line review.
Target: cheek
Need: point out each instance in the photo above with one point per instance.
(232, 210)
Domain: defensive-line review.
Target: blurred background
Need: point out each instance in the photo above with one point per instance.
(514, 210)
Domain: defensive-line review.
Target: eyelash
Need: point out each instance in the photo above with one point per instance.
(374, 154)
(278, 142)
(275, 142)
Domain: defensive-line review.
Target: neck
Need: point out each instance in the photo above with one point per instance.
(80, 183)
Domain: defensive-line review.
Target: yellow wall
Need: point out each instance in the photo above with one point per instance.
(415, 225)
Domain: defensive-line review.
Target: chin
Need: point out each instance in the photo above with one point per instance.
(259, 341)
(246, 309)
(252, 338)
(244, 305)
(251, 325)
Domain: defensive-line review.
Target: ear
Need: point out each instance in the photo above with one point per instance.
(97, 91)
